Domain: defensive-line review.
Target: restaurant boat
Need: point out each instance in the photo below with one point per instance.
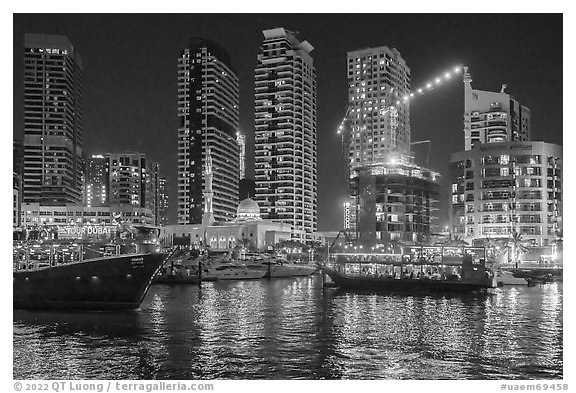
(82, 274)
(418, 270)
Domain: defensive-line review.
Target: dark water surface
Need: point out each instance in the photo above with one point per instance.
(295, 329)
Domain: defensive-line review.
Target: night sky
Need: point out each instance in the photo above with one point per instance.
(130, 77)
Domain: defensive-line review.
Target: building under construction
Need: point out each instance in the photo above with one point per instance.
(391, 198)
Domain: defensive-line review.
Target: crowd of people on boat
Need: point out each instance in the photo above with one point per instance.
(450, 273)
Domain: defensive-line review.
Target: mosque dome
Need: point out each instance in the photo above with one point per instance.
(248, 209)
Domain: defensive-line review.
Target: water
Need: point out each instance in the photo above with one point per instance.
(295, 329)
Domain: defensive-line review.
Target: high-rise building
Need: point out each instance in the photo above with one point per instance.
(53, 160)
(241, 140)
(492, 116)
(391, 197)
(17, 169)
(16, 201)
(130, 180)
(208, 110)
(160, 196)
(378, 113)
(285, 132)
(162, 202)
(97, 184)
(505, 187)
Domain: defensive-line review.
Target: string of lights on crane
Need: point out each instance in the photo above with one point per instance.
(429, 86)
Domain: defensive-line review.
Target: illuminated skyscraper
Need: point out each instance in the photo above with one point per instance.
(491, 116)
(208, 99)
(241, 140)
(378, 116)
(160, 196)
(53, 112)
(392, 198)
(285, 132)
(97, 182)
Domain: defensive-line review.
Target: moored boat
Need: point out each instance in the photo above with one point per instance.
(279, 270)
(462, 271)
(224, 269)
(507, 278)
(82, 274)
(277, 267)
(116, 282)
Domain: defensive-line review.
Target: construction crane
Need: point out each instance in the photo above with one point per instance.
(344, 128)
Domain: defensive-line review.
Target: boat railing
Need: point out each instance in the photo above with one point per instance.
(38, 255)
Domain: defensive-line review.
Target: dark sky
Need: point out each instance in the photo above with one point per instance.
(130, 77)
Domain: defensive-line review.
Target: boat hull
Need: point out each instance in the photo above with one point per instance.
(235, 275)
(290, 271)
(175, 279)
(391, 285)
(109, 283)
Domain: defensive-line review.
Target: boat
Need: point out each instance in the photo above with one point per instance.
(507, 278)
(277, 267)
(233, 271)
(223, 269)
(429, 269)
(83, 275)
(181, 268)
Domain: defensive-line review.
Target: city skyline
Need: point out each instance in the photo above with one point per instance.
(533, 74)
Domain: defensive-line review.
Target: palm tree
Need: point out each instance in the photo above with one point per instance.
(312, 246)
(492, 246)
(456, 241)
(395, 244)
(519, 245)
(244, 244)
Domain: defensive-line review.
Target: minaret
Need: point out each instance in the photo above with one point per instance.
(208, 216)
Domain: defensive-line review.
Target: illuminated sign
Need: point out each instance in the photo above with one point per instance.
(84, 231)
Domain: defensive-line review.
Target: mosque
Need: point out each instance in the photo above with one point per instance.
(224, 236)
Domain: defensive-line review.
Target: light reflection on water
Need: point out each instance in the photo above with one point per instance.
(294, 329)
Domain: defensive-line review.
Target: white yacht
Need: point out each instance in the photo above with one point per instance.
(507, 278)
(276, 268)
(228, 270)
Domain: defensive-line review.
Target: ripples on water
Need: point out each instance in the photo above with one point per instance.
(295, 329)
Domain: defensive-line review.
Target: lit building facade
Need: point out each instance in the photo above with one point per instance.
(17, 169)
(36, 215)
(131, 181)
(378, 115)
(506, 187)
(160, 197)
(53, 160)
(241, 140)
(492, 116)
(285, 132)
(208, 112)
(16, 202)
(347, 215)
(391, 197)
(97, 184)
(395, 200)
